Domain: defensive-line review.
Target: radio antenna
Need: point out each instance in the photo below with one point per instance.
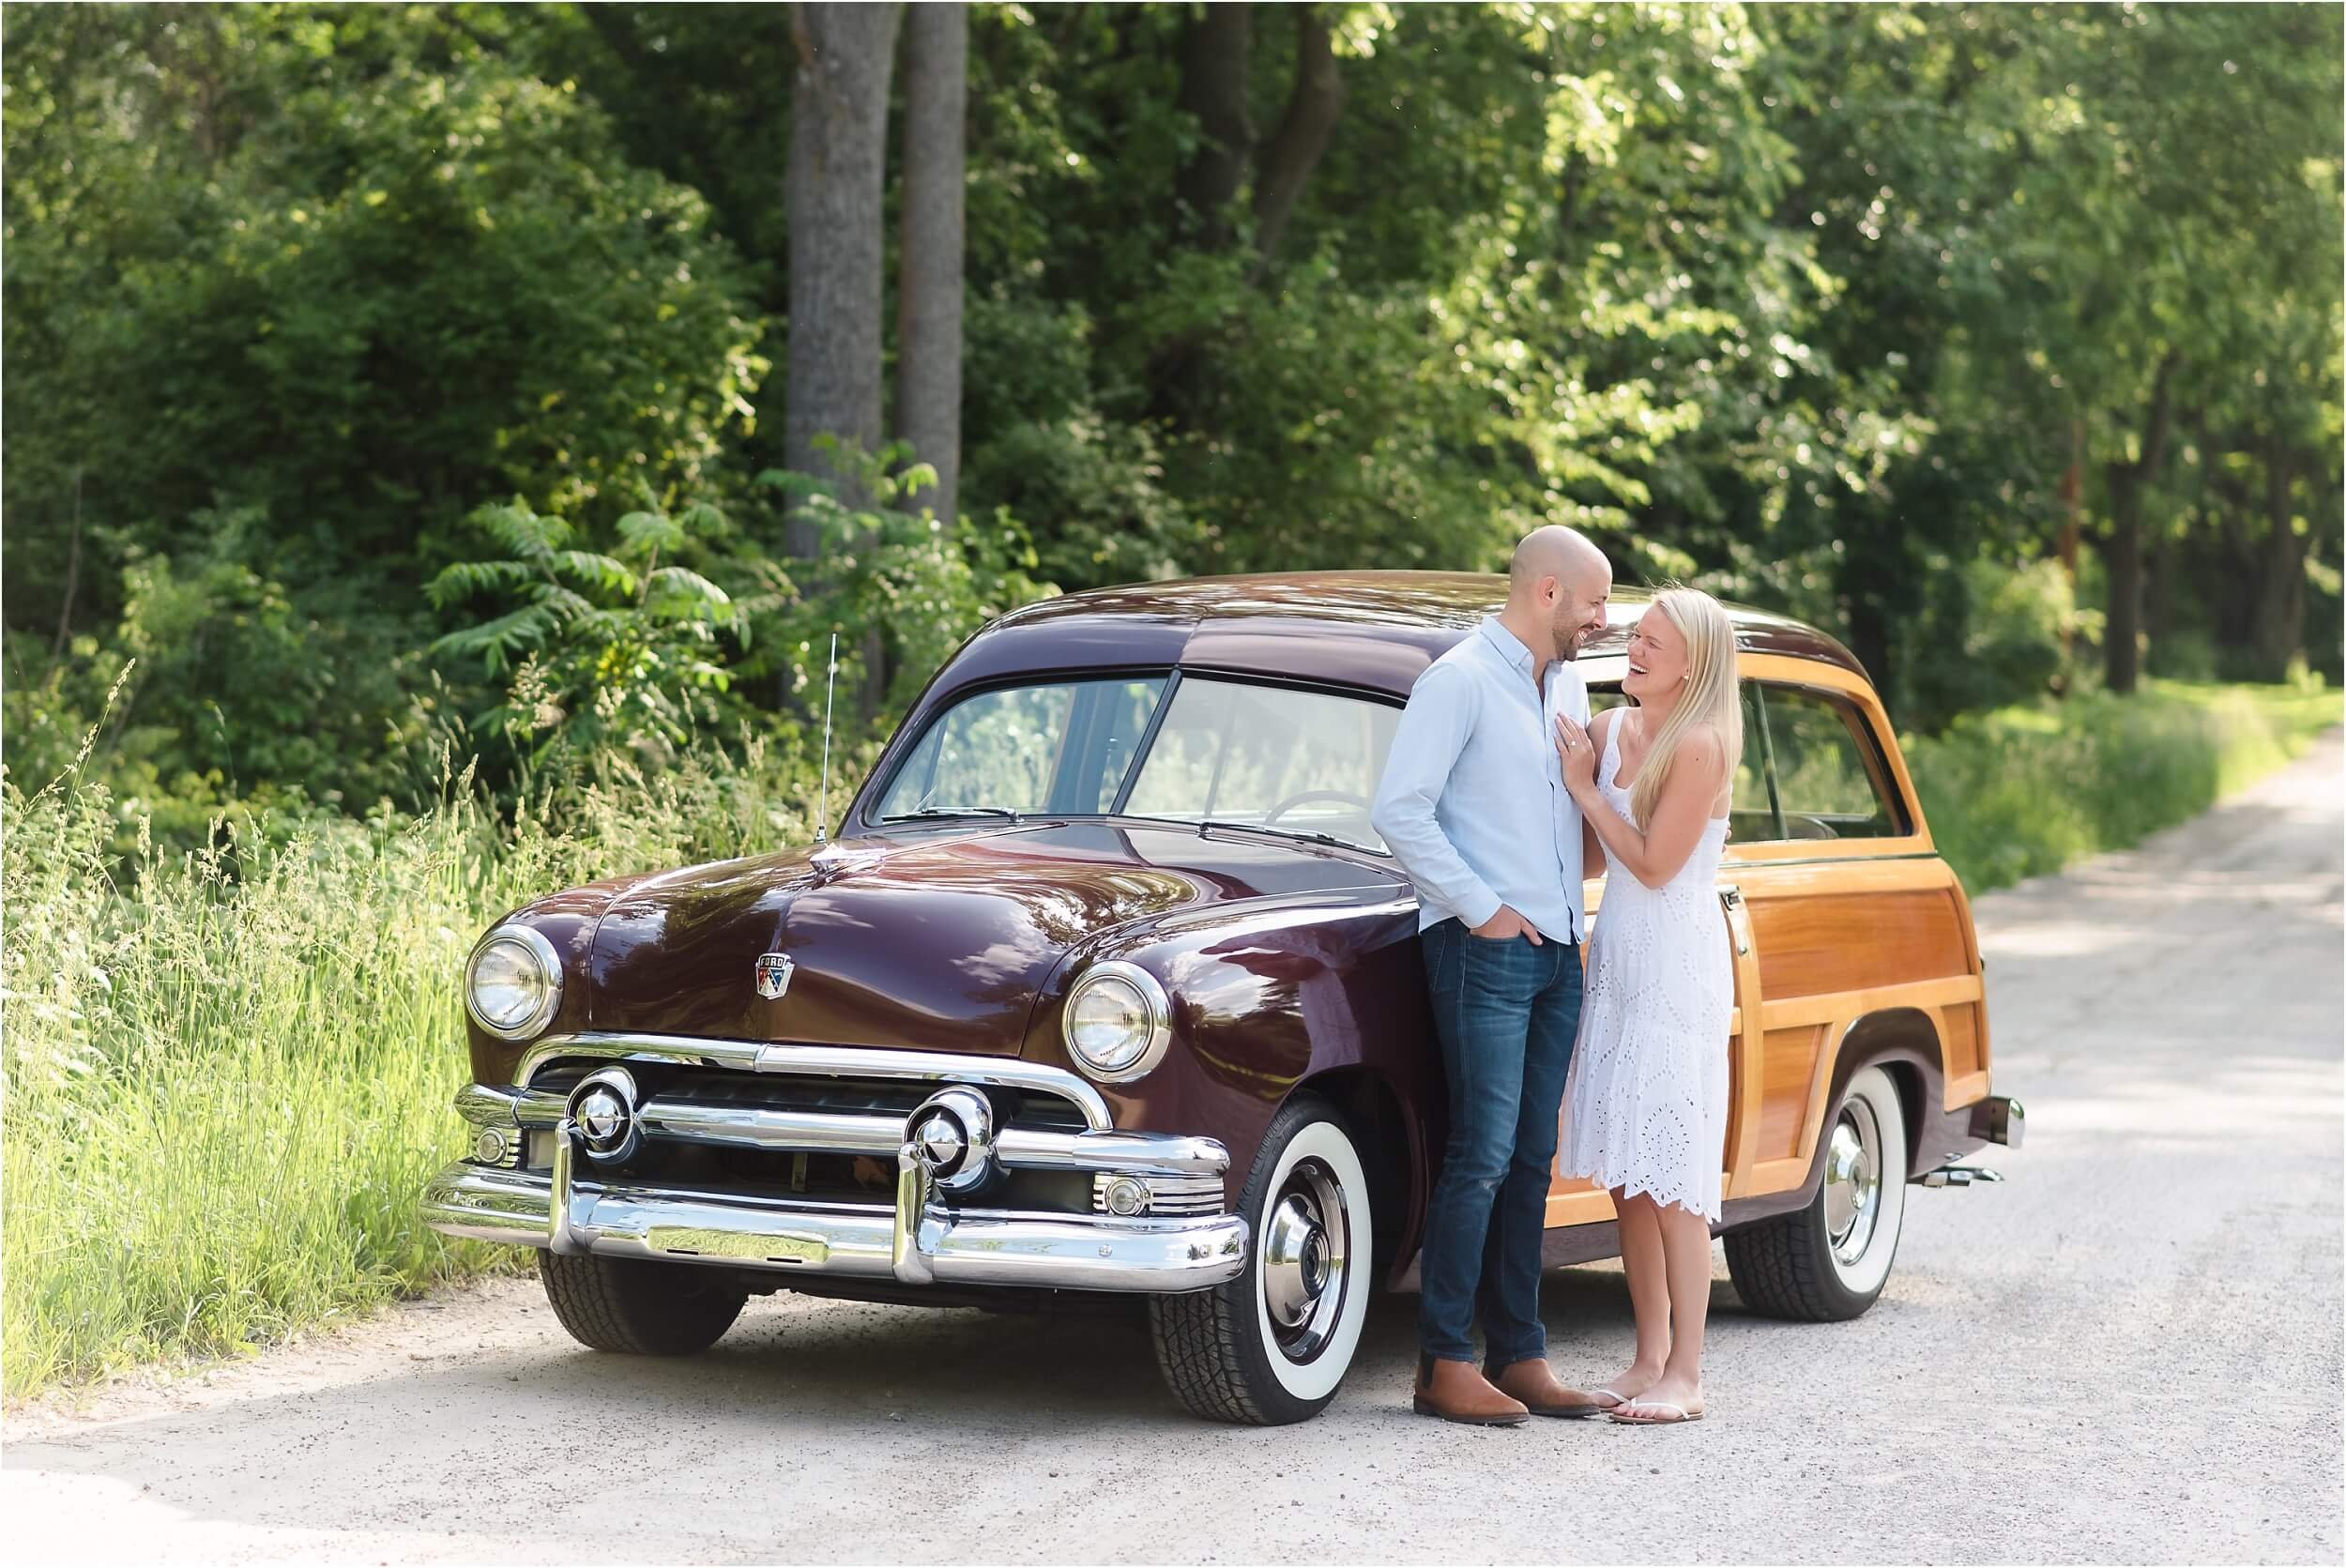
(822, 822)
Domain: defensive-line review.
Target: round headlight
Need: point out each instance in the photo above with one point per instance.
(1118, 1022)
(513, 982)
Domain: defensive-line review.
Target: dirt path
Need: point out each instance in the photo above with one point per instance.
(2129, 1351)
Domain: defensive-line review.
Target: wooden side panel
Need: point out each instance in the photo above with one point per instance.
(1791, 1065)
(1959, 1033)
(1856, 942)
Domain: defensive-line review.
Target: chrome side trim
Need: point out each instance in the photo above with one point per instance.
(824, 1061)
(1051, 1252)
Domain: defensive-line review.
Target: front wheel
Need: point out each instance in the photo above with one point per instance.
(1829, 1261)
(643, 1308)
(1270, 1346)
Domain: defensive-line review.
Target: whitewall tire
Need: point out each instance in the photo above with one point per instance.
(1273, 1346)
(1829, 1259)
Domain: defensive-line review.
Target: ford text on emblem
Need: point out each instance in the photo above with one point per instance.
(773, 974)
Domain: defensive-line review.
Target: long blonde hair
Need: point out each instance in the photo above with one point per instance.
(1712, 696)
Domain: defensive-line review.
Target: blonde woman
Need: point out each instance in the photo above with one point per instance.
(1645, 1107)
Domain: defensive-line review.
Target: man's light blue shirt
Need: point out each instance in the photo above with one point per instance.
(1472, 802)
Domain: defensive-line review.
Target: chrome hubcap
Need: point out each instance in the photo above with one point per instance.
(1852, 1181)
(1305, 1260)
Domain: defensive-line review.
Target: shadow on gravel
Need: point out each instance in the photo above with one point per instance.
(791, 1369)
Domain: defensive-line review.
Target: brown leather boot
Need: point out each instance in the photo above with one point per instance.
(1534, 1383)
(1456, 1391)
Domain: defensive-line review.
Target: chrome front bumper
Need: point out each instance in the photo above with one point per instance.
(919, 1239)
(868, 1242)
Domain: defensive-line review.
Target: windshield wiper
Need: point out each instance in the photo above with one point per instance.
(951, 811)
(1307, 835)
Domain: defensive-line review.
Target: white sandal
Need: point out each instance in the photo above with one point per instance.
(1678, 1417)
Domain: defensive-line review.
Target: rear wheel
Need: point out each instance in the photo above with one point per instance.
(1272, 1346)
(640, 1308)
(1829, 1260)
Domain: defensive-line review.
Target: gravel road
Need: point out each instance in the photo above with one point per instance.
(2129, 1351)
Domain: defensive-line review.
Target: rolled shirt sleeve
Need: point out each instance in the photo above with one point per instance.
(1426, 747)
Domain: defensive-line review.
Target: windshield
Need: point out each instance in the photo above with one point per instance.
(1269, 757)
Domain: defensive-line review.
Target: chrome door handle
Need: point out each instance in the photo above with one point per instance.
(1732, 899)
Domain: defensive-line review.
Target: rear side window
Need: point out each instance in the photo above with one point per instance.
(1810, 768)
(1825, 776)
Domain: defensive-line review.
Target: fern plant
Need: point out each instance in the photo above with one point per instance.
(628, 644)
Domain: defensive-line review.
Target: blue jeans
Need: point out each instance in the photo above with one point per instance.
(1506, 1013)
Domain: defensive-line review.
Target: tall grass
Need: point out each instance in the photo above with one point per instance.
(2023, 791)
(227, 1073)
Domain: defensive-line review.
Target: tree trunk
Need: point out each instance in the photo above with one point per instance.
(838, 155)
(1214, 49)
(929, 259)
(1294, 148)
(2123, 556)
(2281, 620)
(2122, 563)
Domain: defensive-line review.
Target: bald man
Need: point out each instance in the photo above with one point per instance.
(1473, 806)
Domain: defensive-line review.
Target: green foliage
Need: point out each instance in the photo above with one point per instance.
(627, 648)
(1992, 636)
(1802, 303)
(2024, 791)
(299, 288)
(901, 589)
(228, 1068)
(230, 692)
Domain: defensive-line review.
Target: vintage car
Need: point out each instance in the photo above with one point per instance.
(1106, 985)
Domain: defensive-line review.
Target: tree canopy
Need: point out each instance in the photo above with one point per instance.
(356, 358)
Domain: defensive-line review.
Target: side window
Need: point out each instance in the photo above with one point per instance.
(1825, 776)
(1751, 815)
(1305, 761)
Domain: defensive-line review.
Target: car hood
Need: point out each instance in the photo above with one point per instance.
(935, 940)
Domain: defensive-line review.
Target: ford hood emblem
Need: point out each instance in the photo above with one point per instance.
(773, 974)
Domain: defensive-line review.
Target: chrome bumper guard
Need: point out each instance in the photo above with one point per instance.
(918, 1240)
(2000, 1118)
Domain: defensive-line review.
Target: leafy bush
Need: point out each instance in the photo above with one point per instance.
(230, 691)
(613, 648)
(902, 589)
(2024, 791)
(1991, 634)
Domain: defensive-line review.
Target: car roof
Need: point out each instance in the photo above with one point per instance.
(1375, 630)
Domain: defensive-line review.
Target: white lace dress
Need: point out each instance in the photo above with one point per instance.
(1645, 1106)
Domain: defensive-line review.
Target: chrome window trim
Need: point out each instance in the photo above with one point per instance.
(541, 949)
(824, 1061)
(1160, 1019)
